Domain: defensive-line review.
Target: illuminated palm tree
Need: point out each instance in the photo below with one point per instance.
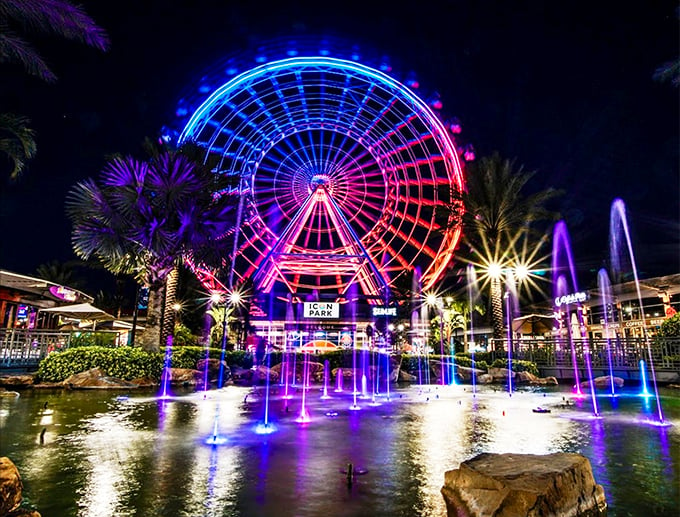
(57, 17)
(498, 217)
(144, 218)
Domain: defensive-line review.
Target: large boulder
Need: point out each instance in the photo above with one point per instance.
(465, 373)
(185, 376)
(17, 381)
(10, 486)
(530, 378)
(604, 382)
(95, 378)
(214, 369)
(501, 374)
(515, 485)
(261, 374)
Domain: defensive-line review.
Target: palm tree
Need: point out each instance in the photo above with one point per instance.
(62, 273)
(17, 142)
(498, 216)
(57, 17)
(145, 218)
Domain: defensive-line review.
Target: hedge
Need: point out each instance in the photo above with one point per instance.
(129, 363)
(517, 365)
(124, 362)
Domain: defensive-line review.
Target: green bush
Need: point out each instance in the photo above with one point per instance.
(464, 360)
(124, 362)
(129, 362)
(480, 357)
(517, 365)
(670, 327)
(183, 336)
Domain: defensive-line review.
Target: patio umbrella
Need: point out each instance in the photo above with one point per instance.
(81, 311)
(534, 324)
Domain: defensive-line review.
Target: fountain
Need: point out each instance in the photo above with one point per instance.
(473, 295)
(605, 288)
(326, 375)
(570, 302)
(618, 232)
(167, 374)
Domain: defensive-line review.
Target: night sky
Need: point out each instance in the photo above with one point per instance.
(566, 88)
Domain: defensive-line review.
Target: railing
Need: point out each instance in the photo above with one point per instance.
(625, 353)
(20, 348)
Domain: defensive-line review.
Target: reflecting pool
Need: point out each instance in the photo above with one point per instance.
(109, 453)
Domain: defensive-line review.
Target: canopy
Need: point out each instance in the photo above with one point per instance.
(81, 311)
(534, 324)
(320, 345)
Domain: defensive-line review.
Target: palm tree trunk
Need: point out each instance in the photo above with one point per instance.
(151, 337)
(497, 308)
(168, 324)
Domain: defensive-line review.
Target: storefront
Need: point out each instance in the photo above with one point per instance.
(22, 297)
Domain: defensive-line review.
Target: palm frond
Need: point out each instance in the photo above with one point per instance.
(56, 17)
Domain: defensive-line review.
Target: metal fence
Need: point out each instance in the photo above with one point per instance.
(622, 354)
(20, 348)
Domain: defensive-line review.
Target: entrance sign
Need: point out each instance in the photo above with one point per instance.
(384, 311)
(568, 299)
(321, 310)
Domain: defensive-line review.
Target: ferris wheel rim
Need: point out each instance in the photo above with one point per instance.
(435, 126)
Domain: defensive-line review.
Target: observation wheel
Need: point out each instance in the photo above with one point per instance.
(345, 175)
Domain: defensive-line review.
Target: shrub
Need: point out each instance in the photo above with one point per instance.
(464, 360)
(124, 362)
(517, 365)
(670, 327)
(183, 336)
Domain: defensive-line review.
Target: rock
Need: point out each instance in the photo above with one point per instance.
(530, 378)
(144, 382)
(484, 378)
(17, 381)
(8, 394)
(514, 485)
(214, 369)
(241, 375)
(185, 376)
(95, 378)
(465, 373)
(10, 486)
(674, 386)
(261, 373)
(501, 374)
(603, 382)
(406, 377)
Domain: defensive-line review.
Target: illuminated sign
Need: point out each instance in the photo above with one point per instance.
(568, 299)
(384, 311)
(63, 293)
(321, 310)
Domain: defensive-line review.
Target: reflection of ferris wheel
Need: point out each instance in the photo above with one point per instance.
(343, 175)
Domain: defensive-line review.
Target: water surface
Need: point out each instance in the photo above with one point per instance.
(118, 453)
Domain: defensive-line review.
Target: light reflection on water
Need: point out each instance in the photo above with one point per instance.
(140, 456)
